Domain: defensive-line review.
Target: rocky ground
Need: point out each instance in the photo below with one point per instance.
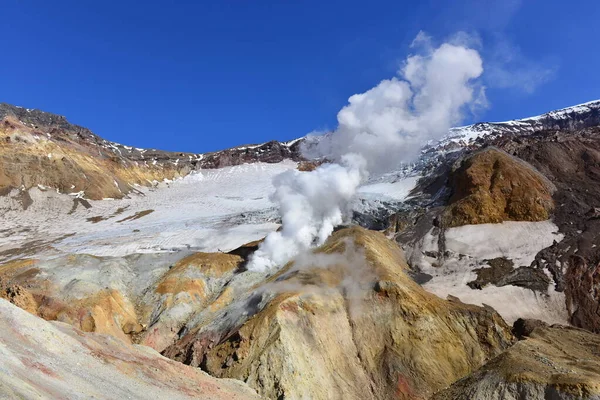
(521, 176)
(550, 363)
(351, 306)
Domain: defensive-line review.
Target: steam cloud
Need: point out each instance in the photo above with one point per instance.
(377, 131)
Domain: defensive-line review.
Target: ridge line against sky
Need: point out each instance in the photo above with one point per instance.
(204, 77)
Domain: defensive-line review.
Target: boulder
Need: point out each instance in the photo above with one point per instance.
(490, 186)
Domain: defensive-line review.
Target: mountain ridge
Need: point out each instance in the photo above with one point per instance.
(561, 118)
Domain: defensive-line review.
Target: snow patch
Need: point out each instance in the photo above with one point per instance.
(517, 241)
(466, 249)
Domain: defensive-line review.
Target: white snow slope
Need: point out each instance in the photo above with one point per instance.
(211, 210)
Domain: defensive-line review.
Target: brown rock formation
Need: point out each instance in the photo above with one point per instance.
(349, 323)
(523, 328)
(552, 363)
(20, 297)
(582, 291)
(29, 157)
(490, 186)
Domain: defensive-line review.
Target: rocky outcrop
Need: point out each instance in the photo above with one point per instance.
(143, 299)
(552, 363)
(570, 159)
(582, 290)
(78, 301)
(43, 359)
(523, 328)
(567, 119)
(270, 152)
(69, 162)
(192, 284)
(346, 322)
(502, 273)
(490, 186)
(20, 297)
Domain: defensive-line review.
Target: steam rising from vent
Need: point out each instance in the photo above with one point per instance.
(377, 131)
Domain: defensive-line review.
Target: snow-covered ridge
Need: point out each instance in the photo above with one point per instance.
(574, 117)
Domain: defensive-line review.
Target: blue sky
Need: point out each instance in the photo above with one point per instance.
(205, 75)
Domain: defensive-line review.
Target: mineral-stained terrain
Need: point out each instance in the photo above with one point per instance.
(123, 271)
(351, 306)
(56, 361)
(490, 186)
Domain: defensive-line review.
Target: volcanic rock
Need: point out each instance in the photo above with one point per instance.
(571, 160)
(582, 289)
(20, 297)
(552, 363)
(141, 298)
(348, 323)
(490, 186)
(523, 328)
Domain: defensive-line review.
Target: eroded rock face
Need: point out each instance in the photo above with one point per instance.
(193, 283)
(53, 360)
(490, 186)
(20, 297)
(582, 289)
(552, 363)
(270, 152)
(71, 161)
(347, 323)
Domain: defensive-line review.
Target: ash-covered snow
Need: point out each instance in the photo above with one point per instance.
(466, 249)
(397, 189)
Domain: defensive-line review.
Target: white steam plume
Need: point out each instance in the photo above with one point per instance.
(378, 130)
